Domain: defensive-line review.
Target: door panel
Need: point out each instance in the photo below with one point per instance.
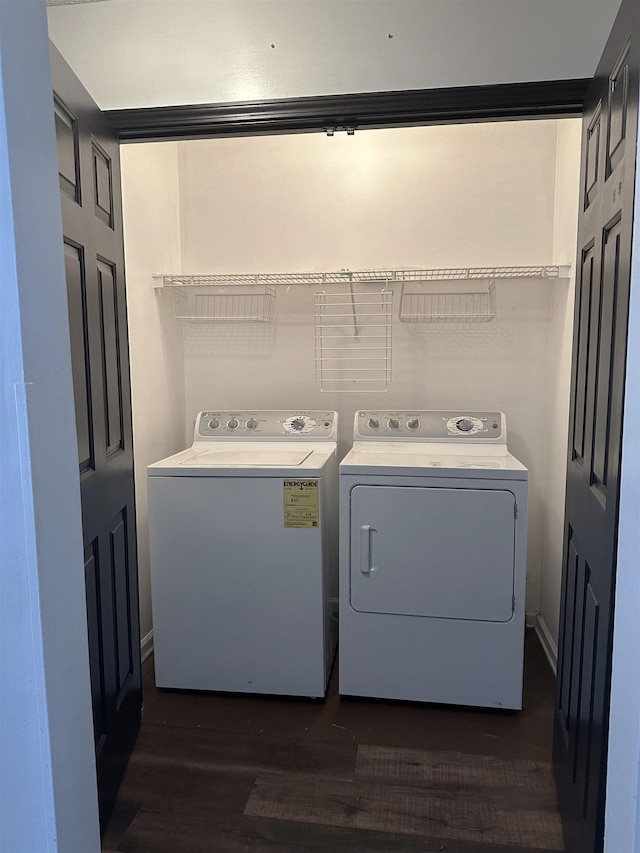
(102, 183)
(434, 552)
(68, 154)
(94, 255)
(595, 435)
(617, 110)
(77, 304)
(583, 309)
(94, 620)
(124, 653)
(606, 340)
(111, 360)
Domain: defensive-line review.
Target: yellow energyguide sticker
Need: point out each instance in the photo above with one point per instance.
(301, 503)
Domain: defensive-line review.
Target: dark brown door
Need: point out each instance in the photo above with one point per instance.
(89, 169)
(595, 431)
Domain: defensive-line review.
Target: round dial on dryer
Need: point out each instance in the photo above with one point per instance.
(413, 423)
(373, 423)
(214, 423)
(393, 423)
(233, 423)
(252, 423)
(465, 424)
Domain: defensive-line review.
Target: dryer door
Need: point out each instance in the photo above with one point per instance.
(435, 552)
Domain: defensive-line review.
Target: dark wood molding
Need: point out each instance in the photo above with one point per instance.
(370, 110)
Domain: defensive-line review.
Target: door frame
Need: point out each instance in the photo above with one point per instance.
(551, 99)
(48, 798)
(49, 467)
(500, 102)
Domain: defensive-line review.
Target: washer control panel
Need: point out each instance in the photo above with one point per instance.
(266, 424)
(460, 425)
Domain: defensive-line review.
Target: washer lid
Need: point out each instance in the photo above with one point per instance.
(247, 459)
(248, 456)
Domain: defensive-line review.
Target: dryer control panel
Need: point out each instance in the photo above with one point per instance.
(272, 425)
(432, 426)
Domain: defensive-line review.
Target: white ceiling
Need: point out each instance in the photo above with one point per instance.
(136, 53)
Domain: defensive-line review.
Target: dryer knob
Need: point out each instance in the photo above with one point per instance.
(393, 423)
(214, 423)
(298, 424)
(233, 423)
(373, 423)
(413, 423)
(465, 424)
(252, 423)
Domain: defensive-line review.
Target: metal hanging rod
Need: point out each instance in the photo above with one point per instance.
(377, 276)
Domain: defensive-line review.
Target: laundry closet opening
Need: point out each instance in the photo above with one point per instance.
(501, 194)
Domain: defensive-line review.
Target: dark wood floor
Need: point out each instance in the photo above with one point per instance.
(225, 774)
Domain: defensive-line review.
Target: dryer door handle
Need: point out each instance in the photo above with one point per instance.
(366, 536)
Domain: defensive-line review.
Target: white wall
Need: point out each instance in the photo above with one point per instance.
(431, 197)
(559, 382)
(204, 51)
(152, 244)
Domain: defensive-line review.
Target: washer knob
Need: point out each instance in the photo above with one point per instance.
(413, 423)
(214, 423)
(233, 423)
(393, 423)
(373, 423)
(252, 423)
(298, 424)
(465, 424)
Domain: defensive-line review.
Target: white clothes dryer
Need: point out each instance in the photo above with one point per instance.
(433, 519)
(243, 542)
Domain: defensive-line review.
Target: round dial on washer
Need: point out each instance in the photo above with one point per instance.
(252, 423)
(233, 423)
(373, 423)
(465, 424)
(413, 423)
(300, 424)
(214, 423)
(393, 423)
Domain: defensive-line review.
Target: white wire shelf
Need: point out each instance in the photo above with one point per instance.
(367, 276)
(474, 306)
(251, 297)
(353, 340)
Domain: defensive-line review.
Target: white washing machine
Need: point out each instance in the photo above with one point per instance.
(433, 519)
(243, 536)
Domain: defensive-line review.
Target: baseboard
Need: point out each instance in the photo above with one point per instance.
(547, 642)
(530, 618)
(146, 646)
